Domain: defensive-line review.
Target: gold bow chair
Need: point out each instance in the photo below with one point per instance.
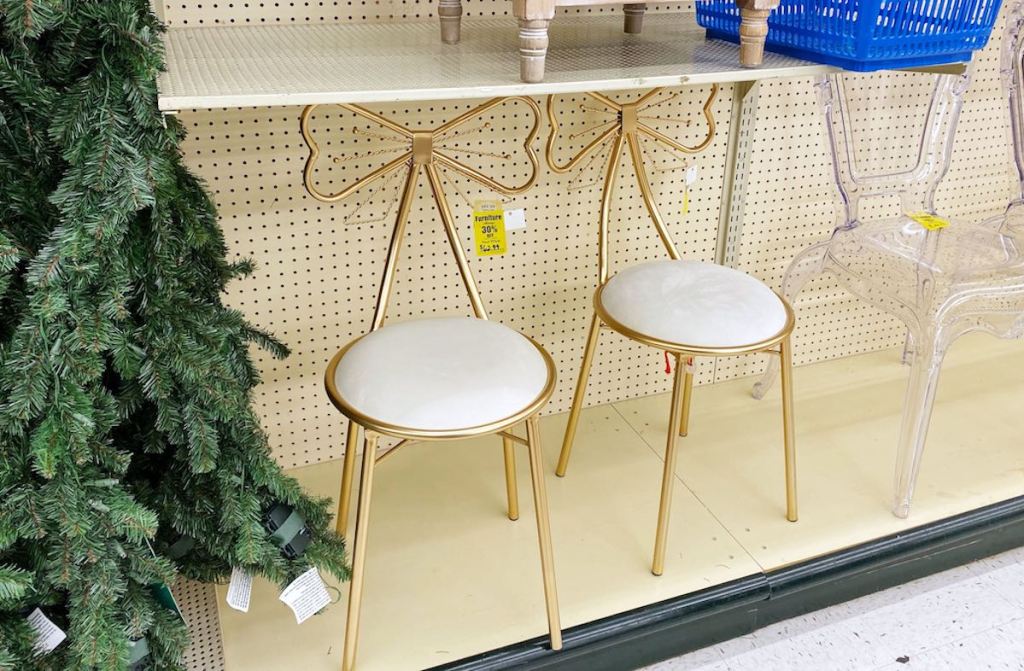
(687, 308)
(440, 378)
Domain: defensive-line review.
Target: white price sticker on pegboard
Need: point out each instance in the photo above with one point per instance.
(515, 220)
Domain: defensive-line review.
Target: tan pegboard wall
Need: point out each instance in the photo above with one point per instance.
(318, 275)
(198, 602)
(254, 12)
(318, 267)
(785, 215)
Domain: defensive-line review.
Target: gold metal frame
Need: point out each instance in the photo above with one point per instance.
(425, 155)
(696, 350)
(413, 434)
(626, 131)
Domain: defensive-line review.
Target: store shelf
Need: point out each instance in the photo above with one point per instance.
(450, 578)
(261, 66)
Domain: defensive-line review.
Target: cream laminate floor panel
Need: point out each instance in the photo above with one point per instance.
(449, 576)
(847, 421)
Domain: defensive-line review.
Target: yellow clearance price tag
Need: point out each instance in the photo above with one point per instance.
(929, 221)
(489, 228)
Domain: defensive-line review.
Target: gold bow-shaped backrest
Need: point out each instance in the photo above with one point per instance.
(625, 125)
(404, 140)
(629, 117)
(423, 151)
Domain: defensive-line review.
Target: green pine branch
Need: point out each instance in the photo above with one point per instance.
(126, 416)
(14, 584)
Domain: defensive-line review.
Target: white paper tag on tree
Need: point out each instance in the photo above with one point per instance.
(306, 596)
(239, 590)
(48, 635)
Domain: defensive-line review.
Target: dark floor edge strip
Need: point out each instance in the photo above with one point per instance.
(909, 544)
(675, 626)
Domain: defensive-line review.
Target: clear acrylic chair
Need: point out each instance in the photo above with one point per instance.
(940, 278)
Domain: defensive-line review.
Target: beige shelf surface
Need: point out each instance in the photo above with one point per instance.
(448, 576)
(258, 66)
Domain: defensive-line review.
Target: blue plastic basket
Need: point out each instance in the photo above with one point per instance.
(865, 35)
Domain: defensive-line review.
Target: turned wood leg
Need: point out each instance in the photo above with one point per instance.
(533, 48)
(450, 13)
(634, 17)
(754, 29)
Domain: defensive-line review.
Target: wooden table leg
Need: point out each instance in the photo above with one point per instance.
(450, 13)
(634, 17)
(754, 29)
(534, 17)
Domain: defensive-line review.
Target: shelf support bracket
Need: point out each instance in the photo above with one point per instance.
(742, 124)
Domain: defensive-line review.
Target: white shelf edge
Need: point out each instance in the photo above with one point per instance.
(174, 103)
(248, 66)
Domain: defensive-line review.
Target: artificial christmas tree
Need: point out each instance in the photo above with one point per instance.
(125, 417)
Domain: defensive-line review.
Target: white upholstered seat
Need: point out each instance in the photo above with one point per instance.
(442, 374)
(693, 303)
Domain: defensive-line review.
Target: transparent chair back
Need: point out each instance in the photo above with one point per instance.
(893, 250)
(1013, 82)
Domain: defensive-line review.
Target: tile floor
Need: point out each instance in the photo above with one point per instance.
(969, 618)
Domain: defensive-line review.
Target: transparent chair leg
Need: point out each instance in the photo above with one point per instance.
(805, 267)
(917, 411)
(908, 349)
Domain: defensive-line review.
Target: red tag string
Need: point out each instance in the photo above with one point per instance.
(668, 365)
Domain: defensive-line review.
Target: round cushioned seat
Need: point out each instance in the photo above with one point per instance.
(692, 303)
(446, 375)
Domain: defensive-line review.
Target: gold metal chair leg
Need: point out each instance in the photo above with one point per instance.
(577, 399)
(540, 505)
(347, 469)
(611, 171)
(510, 478)
(684, 422)
(355, 595)
(786, 355)
(669, 475)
